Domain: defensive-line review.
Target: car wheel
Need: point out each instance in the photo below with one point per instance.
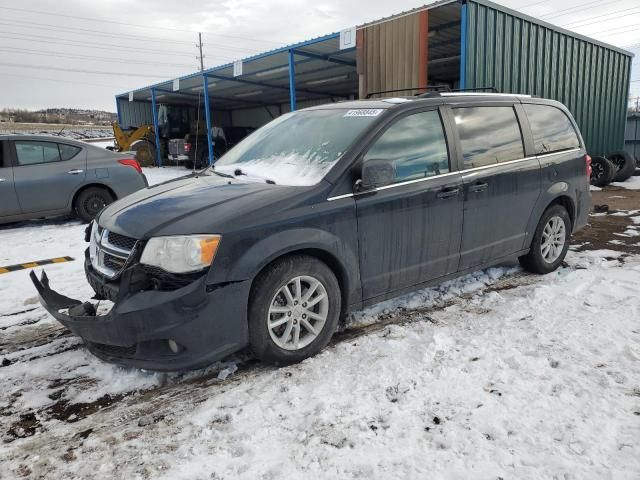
(188, 165)
(625, 164)
(602, 171)
(293, 310)
(550, 241)
(90, 201)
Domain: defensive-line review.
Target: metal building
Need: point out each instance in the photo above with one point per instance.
(453, 43)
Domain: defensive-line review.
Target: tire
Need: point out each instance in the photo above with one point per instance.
(536, 261)
(625, 164)
(268, 292)
(90, 201)
(145, 153)
(188, 165)
(203, 159)
(602, 171)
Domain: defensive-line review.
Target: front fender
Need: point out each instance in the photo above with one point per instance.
(243, 265)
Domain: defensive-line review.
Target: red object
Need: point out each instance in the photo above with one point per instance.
(130, 162)
(587, 160)
(187, 147)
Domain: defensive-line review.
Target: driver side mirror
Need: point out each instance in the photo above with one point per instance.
(376, 173)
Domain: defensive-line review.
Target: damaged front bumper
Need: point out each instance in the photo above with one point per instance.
(186, 328)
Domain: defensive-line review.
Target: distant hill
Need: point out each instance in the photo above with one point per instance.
(69, 116)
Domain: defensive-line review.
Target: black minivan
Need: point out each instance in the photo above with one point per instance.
(324, 211)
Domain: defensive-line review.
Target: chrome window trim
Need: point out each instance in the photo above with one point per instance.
(484, 167)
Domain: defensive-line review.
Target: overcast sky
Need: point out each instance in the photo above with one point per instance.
(135, 43)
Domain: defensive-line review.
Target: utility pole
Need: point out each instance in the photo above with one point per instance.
(201, 57)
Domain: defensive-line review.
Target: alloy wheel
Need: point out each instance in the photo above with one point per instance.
(298, 312)
(554, 237)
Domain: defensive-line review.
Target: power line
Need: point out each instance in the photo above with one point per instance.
(98, 72)
(91, 57)
(598, 16)
(240, 50)
(567, 11)
(46, 79)
(29, 36)
(72, 30)
(133, 24)
(101, 46)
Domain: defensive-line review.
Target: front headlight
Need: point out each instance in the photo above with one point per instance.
(181, 254)
(93, 242)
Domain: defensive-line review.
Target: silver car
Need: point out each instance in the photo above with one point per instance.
(43, 176)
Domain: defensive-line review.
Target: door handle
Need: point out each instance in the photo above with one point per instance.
(3, 179)
(75, 172)
(478, 187)
(448, 192)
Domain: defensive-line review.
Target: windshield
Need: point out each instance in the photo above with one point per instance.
(297, 148)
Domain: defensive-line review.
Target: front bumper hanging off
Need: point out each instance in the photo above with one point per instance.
(187, 328)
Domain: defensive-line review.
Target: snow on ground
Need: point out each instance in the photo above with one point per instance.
(537, 377)
(497, 374)
(632, 183)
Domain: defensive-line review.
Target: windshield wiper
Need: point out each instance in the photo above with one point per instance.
(225, 175)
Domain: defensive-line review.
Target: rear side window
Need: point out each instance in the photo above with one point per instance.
(30, 153)
(67, 152)
(33, 152)
(551, 128)
(488, 135)
(415, 144)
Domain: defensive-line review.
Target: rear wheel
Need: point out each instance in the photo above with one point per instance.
(293, 311)
(602, 171)
(90, 201)
(550, 241)
(145, 153)
(624, 163)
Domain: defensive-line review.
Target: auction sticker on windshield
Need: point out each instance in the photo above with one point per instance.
(364, 112)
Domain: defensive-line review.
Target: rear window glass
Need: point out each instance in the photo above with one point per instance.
(30, 153)
(67, 152)
(551, 128)
(488, 135)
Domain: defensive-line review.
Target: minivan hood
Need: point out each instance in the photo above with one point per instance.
(145, 212)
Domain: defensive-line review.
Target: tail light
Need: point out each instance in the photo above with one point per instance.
(187, 147)
(587, 161)
(130, 162)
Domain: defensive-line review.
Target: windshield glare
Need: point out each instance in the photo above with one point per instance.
(297, 148)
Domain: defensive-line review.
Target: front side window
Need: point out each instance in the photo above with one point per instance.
(551, 128)
(298, 148)
(415, 145)
(488, 135)
(33, 152)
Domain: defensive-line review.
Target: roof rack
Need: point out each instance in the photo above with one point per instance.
(459, 90)
(428, 87)
(435, 90)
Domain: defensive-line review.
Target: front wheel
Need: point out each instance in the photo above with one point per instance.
(550, 242)
(294, 309)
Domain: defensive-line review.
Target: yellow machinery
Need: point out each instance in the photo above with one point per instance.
(140, 140)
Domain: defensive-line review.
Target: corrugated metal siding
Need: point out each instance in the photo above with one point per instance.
(391, 55)
(517, 55)
(134, 114)
(632, 136)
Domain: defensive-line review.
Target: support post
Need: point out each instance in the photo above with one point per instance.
(423, 49)
(463, 46)
(156, 131)
(119, 111)
(292, 80)
(207, 116)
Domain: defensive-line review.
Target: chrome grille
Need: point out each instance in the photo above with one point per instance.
(120, 241)
(110, 252)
